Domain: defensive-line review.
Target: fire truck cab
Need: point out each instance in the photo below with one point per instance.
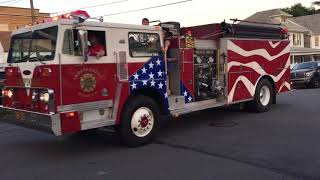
(55, 84)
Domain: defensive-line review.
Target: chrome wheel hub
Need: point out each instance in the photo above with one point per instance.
(265, 95)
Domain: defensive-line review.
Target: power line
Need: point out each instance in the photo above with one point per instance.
(147, 8)
(3, 2)
(94, 6)
(16, 1)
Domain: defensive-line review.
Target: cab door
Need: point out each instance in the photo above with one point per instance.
(86, 81)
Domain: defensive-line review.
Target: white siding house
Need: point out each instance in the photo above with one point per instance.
(304, 39)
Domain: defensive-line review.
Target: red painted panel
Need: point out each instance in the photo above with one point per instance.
(13, 77)
(187, 55)
(134, 67)
(187, 69)
(86, 83)
(268, 66)
(203, 31)
(255, 65)
(189, 82)
(70, 124)
(255, 45)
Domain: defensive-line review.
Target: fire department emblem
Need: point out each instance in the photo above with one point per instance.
(88, 82)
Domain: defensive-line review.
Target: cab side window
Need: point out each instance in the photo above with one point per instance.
(71, 43)
(144, 44)
(96, 42)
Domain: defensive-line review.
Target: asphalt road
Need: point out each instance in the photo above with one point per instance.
(215, 144)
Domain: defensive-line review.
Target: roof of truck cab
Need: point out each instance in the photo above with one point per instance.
(86, 23)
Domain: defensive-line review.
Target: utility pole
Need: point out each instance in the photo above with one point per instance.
(33, 17)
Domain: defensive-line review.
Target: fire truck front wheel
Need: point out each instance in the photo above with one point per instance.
(263, 97)
(139, 121)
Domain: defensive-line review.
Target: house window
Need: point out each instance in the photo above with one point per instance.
(297, 40)
(317, 38)
(284, 19)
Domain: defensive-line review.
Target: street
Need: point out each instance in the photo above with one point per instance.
(212, 144)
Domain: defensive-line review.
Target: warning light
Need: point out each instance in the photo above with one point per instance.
(70, 15)
(70, 114)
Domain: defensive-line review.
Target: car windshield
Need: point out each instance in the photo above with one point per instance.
(310, 65)
(39, 45)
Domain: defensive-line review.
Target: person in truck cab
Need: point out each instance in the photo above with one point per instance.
(96, 49)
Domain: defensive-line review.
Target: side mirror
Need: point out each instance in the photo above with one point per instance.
(83, 43)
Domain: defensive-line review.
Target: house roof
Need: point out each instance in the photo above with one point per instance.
(267, 17)
(5, 37)
(311, 22)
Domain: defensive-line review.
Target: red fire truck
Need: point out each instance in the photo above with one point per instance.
(54, 85)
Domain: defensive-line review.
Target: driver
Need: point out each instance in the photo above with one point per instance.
(96, 49)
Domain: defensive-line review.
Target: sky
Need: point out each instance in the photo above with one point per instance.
(195, 12)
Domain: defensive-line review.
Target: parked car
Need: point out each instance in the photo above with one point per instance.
(307, 73)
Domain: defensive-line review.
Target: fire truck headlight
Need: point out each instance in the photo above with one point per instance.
(45, 97)
(8, 93)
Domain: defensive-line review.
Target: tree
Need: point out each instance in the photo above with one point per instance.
(300, 10)
(317, 3)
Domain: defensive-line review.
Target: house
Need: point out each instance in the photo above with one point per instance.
(304, 43)
(4, 45)
(312, 22)
(10, 19)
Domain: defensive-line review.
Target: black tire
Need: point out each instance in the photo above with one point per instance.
(256, 105)
(315, 83)
(127, 134)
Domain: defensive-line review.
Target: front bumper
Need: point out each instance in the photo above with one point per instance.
(38, 121)
(301, 81)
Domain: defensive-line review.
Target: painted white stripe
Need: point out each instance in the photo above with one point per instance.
(259, 52)
(274, 45)
(284, 84)
(255, 66)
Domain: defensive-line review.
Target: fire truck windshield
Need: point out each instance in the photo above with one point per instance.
(39, 45)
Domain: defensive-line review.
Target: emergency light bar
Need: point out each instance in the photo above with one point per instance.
(76, 15)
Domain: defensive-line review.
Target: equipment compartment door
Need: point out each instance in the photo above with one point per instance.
(187, 71)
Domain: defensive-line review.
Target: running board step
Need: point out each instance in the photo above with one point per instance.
(176, 102)
(99, 123)
(197, 106)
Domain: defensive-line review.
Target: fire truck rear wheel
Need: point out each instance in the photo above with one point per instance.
(139, 121)
(263, 97)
